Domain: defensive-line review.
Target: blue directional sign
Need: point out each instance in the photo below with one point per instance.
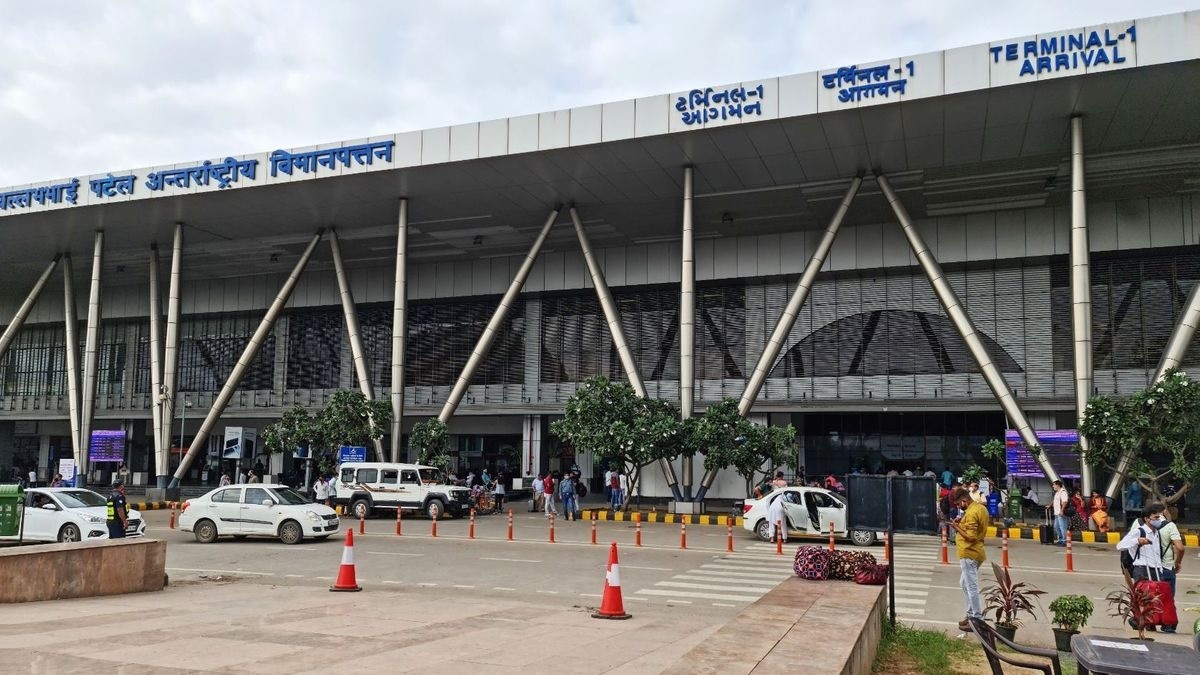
(352, 453)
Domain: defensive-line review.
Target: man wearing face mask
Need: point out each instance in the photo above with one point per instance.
(1143, 544)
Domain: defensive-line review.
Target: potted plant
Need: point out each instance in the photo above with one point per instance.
(1133, 604)
(1070, 612)
(1007, 600)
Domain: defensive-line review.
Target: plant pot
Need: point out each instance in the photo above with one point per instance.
(1007, 632)
(1062, 639)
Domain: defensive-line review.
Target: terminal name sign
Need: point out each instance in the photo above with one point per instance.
(1069, 51)
(703, 105)
(855, 83)
(222, 174)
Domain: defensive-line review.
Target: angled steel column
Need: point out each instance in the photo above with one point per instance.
(14, 326)
(91, 359)
(162, 453)
(788, 319)
(171, 348)
(613, 317)
(1177, 345)
(70, 326)
(356, 347)
(1081, 294)
(687, 322)
(244, 361)
(966, 329)
(399, 331)
(489, 332)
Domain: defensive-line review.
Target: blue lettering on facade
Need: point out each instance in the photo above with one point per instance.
(702, 105)
(307, 162)
(47, 194)
(859, 83)
(1065, 52)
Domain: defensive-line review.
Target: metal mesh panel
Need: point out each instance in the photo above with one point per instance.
(209, 347)
(314, 350)
(35, 364)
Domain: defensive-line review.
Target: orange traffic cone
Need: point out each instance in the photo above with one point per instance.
(611, 606)
(345, 578)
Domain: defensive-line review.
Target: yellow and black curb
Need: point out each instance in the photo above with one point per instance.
(1080, 537)
(154, 506)
(658, 517)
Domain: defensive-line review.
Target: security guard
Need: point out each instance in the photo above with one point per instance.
(118, 518)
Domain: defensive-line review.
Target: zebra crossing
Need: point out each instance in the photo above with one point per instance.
(742, 577)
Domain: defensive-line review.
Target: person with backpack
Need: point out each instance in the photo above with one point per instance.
(1142, 558)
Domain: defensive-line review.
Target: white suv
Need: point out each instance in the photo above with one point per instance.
(370, 486)
(257, 509)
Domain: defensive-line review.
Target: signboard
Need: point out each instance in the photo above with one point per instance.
(107, 445)
(239, 442)
(66, 469)
(302, 452)
(1057, 444)
(352, 453)
(913, 508)
(1072, 51)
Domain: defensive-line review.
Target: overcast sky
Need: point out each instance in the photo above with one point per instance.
(89, 87)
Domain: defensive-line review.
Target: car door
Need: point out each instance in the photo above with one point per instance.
(827, 510)
(412, 492)
(40, 524)
(258, 511)
(224, 509)
(794, 512)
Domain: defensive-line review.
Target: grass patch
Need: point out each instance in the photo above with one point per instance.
(906, 650)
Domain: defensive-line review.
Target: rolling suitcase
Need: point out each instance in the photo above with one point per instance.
(1046, 533)
(1165, 614)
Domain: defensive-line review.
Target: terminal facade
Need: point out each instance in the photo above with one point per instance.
(903, 259)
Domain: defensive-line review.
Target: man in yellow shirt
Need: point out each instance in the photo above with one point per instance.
(972, 528)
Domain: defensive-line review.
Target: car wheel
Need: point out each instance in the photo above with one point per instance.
(763, 530)
(862, 537)
(290, 532)
(361, 508)
(435, 509)
(69, 533)
(206, 531)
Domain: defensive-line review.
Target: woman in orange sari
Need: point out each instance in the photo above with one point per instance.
(1100, 511)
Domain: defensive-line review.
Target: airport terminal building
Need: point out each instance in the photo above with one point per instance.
(903, 259)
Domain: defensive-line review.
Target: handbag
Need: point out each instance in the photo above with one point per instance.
(872, 575)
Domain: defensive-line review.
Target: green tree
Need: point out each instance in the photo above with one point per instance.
(350, 419)
(1160, 425)
(295, 429)
(731, 440)
(609, 419)
(432, 443)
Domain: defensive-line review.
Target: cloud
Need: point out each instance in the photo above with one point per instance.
(93, 87)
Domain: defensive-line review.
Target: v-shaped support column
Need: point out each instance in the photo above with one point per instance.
(966, 329)
(244, 361)
(18, 320)
(790, 312)
(350, 313)
(489, 332)
(613, 317)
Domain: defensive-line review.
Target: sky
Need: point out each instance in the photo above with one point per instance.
(90, 87)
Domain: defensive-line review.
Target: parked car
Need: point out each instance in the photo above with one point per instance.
(70, 514)
(808, 511)
(271, 510)
(368, 487)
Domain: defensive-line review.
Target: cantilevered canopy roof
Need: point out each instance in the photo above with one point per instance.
(974, 136)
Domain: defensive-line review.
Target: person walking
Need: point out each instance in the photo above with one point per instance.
(614, 489)
(498, 492)
(1171, 547)
(1059, 505)
(566, 490)
(33, 477)
(321, 490)
(1143, 542)
(117, 516)
(971, 528)
(608, 474)
(548, 488)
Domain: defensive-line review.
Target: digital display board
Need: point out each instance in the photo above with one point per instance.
(108, 445)
(1058, 446)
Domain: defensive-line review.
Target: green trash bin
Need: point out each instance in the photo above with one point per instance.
(1014, 504)
(12, 503)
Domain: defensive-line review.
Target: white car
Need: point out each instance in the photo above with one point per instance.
(807, 510)
(70, 514)
(257, 509)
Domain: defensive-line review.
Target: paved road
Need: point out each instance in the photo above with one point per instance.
(704, 577)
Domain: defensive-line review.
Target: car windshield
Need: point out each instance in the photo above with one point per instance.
(80, 499)
(289, 496)
(432, 476)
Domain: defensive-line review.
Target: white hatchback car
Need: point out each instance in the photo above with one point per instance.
(257, 509)
(70, 514)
